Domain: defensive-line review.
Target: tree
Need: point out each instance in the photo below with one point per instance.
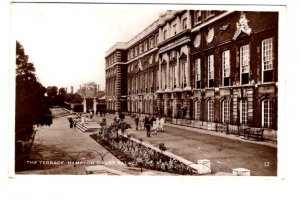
(61, 97)
(52, 95)
(31, 104)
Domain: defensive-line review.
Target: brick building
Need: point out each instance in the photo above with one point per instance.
(209, 66)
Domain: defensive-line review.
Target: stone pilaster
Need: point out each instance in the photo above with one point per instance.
(95, 105)
(84, 105)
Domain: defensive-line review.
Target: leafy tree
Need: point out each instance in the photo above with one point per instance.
(74, 98)
(31, 104)
(52, 92)
(61, 97)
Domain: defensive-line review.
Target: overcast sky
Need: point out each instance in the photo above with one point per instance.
(67, 42)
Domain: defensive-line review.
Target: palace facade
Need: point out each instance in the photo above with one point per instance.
(207, 66)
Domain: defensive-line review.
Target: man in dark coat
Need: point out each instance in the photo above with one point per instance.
(136, 120)
(147, 126)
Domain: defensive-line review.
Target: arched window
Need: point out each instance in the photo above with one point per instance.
(267, 113)
(197, 109)
(225, 111)
(210, 110)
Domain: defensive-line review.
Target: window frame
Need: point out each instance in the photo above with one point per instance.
(198, 73)
(226, 111)
(211, 70)
(270, 57)
(244, 62)
(210, 111)
(226, 66)
(269, 113)
(183, 66)
(243, 111)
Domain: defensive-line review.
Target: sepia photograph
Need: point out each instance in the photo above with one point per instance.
(146, 89)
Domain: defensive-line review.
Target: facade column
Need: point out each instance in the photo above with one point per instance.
(177, 74)
(186, 103)
(159, 75)
(168, 72)
(188, 71)
(95, 105)
(84, 104)
(160, 35)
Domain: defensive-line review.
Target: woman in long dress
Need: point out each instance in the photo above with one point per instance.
(162, 123)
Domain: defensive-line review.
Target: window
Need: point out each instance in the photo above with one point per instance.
(210, 71)
(197, 73)
(156, 39)
(173, 76)
(141, 48)
(157, 80)
(210, 111)
(198, 16)
(136, 51)
(225, 111)
(131, 53)
(145, 46)
(210, 13)
(165, 34)
(184, 24)
(197, 110)
(244, 64)
(243, 112)
(174, 29)
(164, 75)
(146, 82)
(136, 84)
(267, 60)
(267, 113)
(151, 43)
(226, 67)
(183, 78)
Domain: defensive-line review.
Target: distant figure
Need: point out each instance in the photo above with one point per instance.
(157, 123)
(91, 114)
(142, 122)
(71, 122)
(147, 126)
(162, 123)
(152, 120)
(136, 120)
(75, 123)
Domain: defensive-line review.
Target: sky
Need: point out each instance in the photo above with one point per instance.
(67, 42)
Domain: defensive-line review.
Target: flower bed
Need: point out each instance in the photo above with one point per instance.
(133, 153)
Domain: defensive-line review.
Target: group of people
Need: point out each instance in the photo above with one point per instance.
(149, 123)
(72, 122)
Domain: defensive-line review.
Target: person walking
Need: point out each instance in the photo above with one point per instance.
(136, 120)
(162, 124)
(142, 122)
(147, 125)
(71, 122)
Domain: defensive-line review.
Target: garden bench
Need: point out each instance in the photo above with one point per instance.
(242, 129)
(254, 133)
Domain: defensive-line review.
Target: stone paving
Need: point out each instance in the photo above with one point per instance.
(225, 152)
